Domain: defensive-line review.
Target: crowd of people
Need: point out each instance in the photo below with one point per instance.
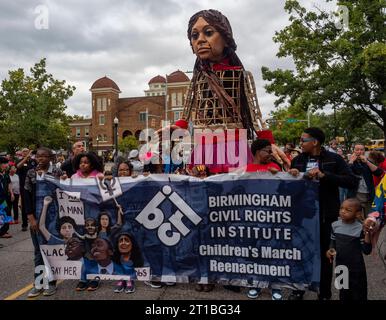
(222, 96)
(347, 191)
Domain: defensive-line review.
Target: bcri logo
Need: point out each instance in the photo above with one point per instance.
(152, 217)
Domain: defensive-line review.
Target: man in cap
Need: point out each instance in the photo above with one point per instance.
(136, 163)
(332, 172)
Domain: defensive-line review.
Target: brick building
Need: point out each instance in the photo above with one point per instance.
(98, 132)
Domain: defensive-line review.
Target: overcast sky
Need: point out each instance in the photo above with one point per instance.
(131, 41)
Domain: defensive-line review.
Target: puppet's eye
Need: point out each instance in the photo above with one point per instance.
(195, 35)
(209, 32)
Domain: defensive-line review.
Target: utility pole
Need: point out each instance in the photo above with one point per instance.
(335, 129)
(166, 99)
(116, 121)
(147, 124)
(309, 116)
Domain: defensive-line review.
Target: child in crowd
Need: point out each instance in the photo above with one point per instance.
(44, 167)
(87, 165)
(348, 242)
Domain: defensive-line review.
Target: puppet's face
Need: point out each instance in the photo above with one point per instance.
(67, 230)
(124, 244)
(207, 42)
(90, 227)
(100, 250)
(74, 249)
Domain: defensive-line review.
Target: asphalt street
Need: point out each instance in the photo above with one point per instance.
(16, 274)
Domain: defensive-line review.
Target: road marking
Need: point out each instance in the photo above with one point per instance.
(17, 294)
(28, 287)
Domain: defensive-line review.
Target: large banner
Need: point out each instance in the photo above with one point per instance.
(251, 229)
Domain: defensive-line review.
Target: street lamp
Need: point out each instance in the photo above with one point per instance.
(68, 146)
(116, 121)
(97, 140)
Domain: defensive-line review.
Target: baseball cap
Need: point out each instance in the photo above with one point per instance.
(133, 154)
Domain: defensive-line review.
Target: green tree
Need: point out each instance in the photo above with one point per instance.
(75, 117)
(340, 68)
(348, 124)
(127, 144)
(285, 131)
(32, 109)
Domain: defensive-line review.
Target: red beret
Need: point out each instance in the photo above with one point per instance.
(182, 124)
(266, 134)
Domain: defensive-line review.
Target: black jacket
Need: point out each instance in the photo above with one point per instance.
(30, 188)
(337, 174)
(68, 168)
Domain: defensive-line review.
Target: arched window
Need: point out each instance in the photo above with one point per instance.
(126, 133)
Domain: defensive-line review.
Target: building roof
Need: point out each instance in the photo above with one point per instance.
(124, 103)
(177, 76)
(104, 83)
(80, 122)
(157, 79)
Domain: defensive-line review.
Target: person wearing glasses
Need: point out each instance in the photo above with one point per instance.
(125, 169)
(332, 172)
(263, 162)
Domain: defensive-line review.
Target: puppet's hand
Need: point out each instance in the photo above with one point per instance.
(273, 170)
(294, 172)
(169, 129)
(280, 156)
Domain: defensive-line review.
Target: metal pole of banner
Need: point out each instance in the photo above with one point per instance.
(147, 125)
(115, 139)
